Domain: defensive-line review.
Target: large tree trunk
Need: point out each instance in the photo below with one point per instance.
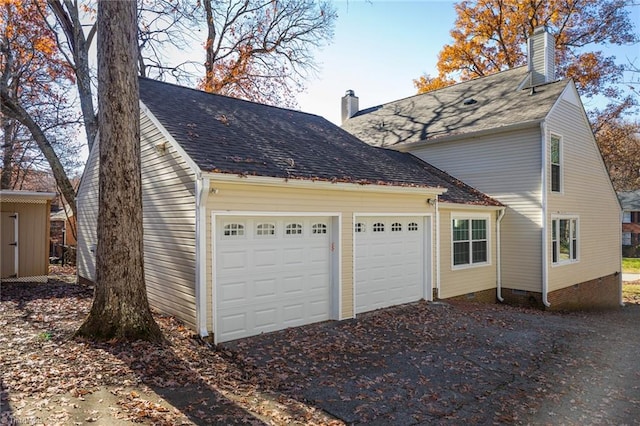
(120, 307)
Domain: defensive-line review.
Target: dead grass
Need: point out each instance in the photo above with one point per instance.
(631, 292)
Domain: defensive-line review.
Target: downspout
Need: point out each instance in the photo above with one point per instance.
(620, 245)
(437, 248)
(499, 256)
(202, 194)
(545, 248)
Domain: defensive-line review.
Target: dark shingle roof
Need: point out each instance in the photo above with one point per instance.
(228, 135)
(630, 200)
(493, 102)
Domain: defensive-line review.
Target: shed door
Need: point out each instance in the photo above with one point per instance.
(271, 273)
(9, 245)
(390, 261)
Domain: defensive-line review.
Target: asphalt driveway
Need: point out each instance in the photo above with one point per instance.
(454, 363)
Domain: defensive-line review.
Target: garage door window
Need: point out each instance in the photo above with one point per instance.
(360, 227)
(412, 227)
(233, 230)
(265, 229)
(319, 228)
(396, 227)
(378, 227)
(293, 229)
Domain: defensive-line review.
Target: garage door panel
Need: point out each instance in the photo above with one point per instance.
(265, 288)
(390, 263)
(269, 282)
(265, 257)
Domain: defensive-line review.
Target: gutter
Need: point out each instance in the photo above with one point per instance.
(202, 194)
(499, 256)
(545, 248)
(234, 178)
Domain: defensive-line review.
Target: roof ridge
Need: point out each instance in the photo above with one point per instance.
(204, 92)
(458, 84)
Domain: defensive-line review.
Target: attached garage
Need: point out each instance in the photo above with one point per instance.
(392, 260)
(272, 272)
(258, 219)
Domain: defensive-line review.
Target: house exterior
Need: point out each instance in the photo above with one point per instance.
(630, 202)
(24, 219)
(522, 137)
(258, 218)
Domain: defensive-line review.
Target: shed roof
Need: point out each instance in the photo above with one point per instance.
(228, 135)
(33, 197)
(496, 101)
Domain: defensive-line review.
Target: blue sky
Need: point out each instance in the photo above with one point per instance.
(379, 47)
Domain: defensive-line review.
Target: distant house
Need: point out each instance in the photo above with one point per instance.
(24, 235)
(630, 202)
(523, 138)
(258, 218)
(63, 241)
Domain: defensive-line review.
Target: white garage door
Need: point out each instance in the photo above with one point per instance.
(390, 261)
(271, 273)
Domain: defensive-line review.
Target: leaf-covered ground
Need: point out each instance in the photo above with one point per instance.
(421, 363)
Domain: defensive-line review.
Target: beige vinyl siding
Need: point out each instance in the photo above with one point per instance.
(168, 198)
(587, 194)
(87, 210)
(507, 167)
(465, 280)
(33, 236)
(246, 197)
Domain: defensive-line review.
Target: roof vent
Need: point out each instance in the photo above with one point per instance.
(470, 101)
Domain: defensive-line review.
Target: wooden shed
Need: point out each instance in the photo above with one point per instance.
(25, 235)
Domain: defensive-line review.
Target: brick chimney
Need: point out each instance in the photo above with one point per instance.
(349, 105)
(541, 57)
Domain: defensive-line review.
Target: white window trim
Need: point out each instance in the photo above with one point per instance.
(561, 163)
(470, 217)
(557, 218)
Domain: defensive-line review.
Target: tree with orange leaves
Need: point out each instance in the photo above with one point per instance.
(261, 50)
(31, 68)
(490, 36)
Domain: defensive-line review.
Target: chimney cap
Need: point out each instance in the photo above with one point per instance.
(350, 93)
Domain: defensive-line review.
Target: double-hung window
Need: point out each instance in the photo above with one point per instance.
(470, 241)
(564, 239)
(556, 159)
